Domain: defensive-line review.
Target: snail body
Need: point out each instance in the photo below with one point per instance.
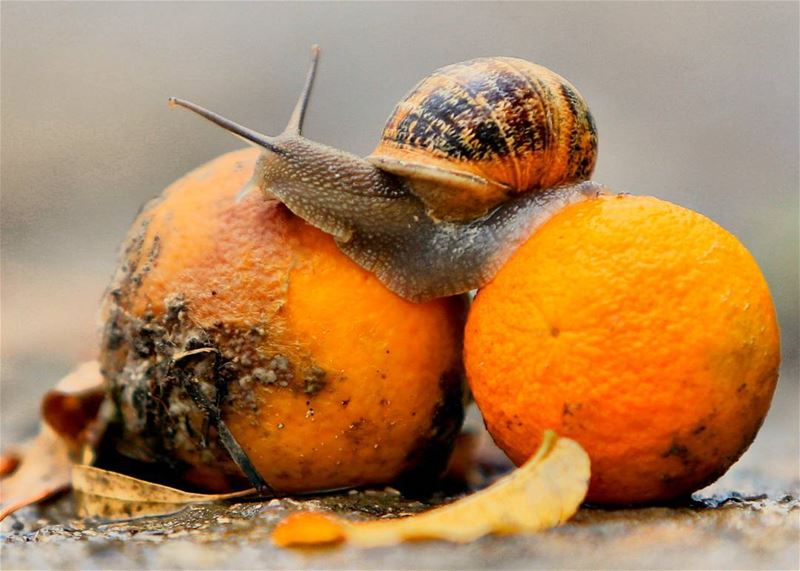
(473, 160)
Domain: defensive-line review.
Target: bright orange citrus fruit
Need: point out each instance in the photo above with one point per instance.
(639, 328)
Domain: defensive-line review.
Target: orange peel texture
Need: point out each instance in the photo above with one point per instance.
(640, 329)
(331, 380)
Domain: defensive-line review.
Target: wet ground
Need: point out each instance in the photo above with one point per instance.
(737, 533)
(750, 519)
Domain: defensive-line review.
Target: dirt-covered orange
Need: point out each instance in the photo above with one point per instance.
(324, 377)
(639, 328)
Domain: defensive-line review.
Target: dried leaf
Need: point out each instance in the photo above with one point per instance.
(545, 492)
(40, 468)
(72, 406)
(110, 495)
(43, 471)
(9, 462)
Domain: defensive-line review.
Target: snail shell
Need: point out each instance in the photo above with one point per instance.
(472, 135)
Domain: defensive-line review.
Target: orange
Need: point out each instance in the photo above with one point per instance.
(324, 377)
(639, 328)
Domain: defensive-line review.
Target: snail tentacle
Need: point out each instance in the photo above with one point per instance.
(247, 135)
(295, 125)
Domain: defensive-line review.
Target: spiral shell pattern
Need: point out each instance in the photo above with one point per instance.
(489, 129)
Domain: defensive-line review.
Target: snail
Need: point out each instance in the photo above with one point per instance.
(471, 161)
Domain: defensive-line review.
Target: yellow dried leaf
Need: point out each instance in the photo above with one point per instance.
(546, 491)
(111, 495)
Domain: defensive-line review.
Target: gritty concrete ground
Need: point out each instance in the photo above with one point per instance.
(756, 533)
(750, 519)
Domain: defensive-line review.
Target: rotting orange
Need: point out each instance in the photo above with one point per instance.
(238, 338)
(642, 330)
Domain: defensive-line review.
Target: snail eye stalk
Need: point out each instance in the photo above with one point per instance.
(295, 126)
(248, 135)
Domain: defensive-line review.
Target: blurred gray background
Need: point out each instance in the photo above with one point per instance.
(695, 103)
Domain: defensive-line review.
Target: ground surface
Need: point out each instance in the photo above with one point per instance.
(748, 520)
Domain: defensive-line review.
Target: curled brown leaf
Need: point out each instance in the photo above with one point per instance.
(40, 468)
(71, 407)
(43, 472)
